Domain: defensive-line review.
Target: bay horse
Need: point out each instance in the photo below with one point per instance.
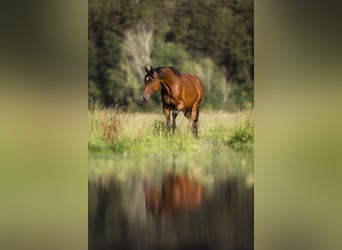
(179, 193)
(179, 92)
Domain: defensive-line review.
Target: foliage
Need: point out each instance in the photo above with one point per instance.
(239, 54)
(241, 96)
(214, 39)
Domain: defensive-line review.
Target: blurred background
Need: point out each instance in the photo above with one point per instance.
(213, 39)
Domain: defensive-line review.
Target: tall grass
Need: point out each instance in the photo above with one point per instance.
(104, 125)
(111, 129)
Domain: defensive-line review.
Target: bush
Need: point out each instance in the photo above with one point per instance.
(242, 96)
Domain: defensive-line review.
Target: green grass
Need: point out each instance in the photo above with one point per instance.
(112, 130)
(123, 144)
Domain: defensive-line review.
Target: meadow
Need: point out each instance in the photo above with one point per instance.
(122, 144)
(116, 131)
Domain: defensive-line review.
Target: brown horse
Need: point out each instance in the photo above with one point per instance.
(179, 92)
(179, 193)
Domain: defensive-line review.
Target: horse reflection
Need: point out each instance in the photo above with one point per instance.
(179, 193)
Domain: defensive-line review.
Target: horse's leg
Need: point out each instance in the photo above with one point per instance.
(174, 116)
(187, 114)
(193, 121)
(195, 126)
(167, 116)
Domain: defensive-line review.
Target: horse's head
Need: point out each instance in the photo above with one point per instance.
(152, 84)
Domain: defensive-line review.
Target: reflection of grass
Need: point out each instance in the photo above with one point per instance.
(205, 166)
(112, 130)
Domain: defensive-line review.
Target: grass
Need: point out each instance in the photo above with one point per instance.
(122, 145)
(111, 129)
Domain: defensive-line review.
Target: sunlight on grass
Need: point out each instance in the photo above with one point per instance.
(110, 129)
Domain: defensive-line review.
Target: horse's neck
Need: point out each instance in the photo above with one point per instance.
(166, 86)
(167, 82)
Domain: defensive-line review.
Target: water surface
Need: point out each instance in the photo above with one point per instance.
(199, 201)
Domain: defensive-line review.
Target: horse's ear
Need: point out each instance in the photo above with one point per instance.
(152, 70)
(146, 69)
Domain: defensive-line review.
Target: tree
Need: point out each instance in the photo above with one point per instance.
(183, 34)
(239, 55)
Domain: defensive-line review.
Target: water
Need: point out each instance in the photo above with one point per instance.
(171, 201)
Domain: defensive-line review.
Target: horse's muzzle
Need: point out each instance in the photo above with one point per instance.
(144, 99)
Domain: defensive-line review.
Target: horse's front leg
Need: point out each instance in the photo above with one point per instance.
(167, 113)
(174, 116)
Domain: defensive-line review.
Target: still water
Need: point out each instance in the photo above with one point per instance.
(171, 201)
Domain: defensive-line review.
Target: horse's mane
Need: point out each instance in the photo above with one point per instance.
(174, 70)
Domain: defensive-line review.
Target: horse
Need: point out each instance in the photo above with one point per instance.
(179, 193)
(179, 92)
